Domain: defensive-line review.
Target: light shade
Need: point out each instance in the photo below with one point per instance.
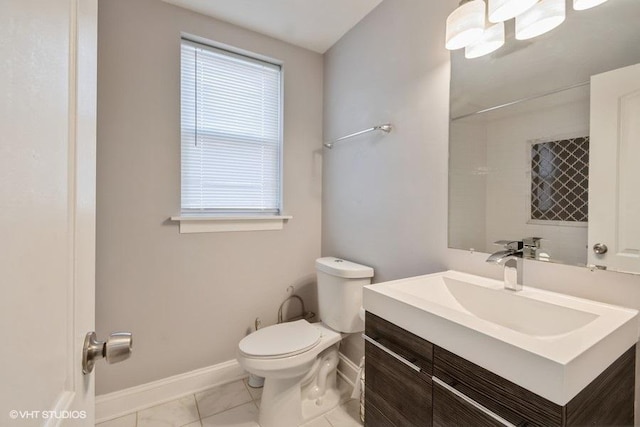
(465, 25)
(543, 17)
(491, 40)
(502, 10)
(586, 4)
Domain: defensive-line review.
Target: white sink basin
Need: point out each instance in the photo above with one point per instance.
(491, 303)
(549, 343)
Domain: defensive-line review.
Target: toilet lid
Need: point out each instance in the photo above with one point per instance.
(280, 340)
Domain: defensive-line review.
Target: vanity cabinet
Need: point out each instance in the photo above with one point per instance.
(411, 382)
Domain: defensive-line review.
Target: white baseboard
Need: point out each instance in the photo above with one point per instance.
(130, 400)
(127, 401)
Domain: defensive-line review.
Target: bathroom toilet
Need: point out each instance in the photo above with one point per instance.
(299, 359)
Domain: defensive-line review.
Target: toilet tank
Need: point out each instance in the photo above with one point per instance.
(340, 285)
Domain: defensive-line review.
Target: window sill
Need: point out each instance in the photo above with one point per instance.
(216, 224)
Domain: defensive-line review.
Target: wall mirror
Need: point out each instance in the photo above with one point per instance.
(526, 145)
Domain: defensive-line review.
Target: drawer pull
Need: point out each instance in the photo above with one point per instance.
(392, 353)
(472, 402)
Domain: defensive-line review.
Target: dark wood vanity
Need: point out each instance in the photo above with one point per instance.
(412, 382)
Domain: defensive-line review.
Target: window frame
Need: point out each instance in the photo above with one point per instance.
(211, 221)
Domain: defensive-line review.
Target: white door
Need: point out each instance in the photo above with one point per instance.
(614, 170)
(47, 209)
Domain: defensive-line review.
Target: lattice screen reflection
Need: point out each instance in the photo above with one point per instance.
(560, 180)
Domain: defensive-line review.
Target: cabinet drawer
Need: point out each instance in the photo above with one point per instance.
(494, 392)
(407, 345)
(452, 410)
(396, 390)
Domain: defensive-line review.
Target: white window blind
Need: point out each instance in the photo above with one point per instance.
(231, 132)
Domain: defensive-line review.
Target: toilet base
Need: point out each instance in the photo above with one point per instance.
(289, 402)
(280, 405)
(312, 408)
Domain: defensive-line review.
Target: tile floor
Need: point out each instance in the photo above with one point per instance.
(234, 404)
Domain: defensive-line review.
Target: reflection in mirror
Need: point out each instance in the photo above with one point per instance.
(519, 138)
(495, 193)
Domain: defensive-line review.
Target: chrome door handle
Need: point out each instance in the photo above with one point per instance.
(600, 248)
(472, 402)
(392, 353)
(117, 348)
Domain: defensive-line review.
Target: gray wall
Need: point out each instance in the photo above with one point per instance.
(384, 196)
(189, 299)
(385, 200)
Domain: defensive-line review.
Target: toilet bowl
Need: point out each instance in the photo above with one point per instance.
(299, 359)
(284, 364)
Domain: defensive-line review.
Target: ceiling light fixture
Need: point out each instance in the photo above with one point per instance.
(466, 24)
(541, 18)
(468, 28)
(586, 4)
(502, 10)
(491, 40)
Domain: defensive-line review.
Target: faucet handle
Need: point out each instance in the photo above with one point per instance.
(532, 242)
(514, 245)
(531, 247)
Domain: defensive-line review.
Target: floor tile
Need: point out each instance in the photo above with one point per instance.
(241, 416)
(221, 398)
(345, 415)
(126, 421)
(318, 422)
(195, 424)
(176, 413)
(256, 393)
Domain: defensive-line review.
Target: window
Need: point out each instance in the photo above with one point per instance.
(231, 133)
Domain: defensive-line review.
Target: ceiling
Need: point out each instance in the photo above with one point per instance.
(312, 24)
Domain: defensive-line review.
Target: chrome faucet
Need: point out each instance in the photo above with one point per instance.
(511, 259)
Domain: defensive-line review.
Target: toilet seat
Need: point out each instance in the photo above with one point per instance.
(282, 340)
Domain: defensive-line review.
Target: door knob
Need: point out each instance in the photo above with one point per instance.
(117, 348)
(600, 248)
